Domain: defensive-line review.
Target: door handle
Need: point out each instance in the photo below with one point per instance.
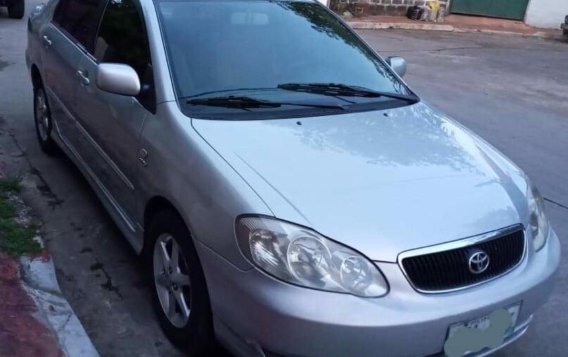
(83, 77)
(46, 41)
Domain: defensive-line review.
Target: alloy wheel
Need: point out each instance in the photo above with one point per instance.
(42, 116)
(171, 280)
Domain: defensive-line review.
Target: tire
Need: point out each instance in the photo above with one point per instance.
(17, 9)
(193, 334)
(43, 122)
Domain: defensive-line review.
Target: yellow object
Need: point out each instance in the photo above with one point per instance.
(434, 5)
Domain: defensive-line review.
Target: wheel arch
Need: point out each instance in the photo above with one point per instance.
(37, 81)
(155, 205)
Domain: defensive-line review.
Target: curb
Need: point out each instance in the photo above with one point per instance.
(367, 25)
(39, 280)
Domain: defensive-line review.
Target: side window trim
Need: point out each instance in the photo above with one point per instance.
(73, 40)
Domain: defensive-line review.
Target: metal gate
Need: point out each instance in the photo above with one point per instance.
(508, 9)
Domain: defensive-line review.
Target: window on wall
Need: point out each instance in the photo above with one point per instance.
(122, 38)
(79, 18)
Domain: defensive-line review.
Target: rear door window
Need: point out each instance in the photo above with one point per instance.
(79, 19)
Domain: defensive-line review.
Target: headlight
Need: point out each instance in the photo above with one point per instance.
(538, 222)
(303, 257)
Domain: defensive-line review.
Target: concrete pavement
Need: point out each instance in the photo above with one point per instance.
(35, 317)
(512, 91)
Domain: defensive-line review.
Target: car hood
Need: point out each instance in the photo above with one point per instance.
(381, 182)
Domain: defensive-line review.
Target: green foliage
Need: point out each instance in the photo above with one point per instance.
(9, 184)
(15, 239)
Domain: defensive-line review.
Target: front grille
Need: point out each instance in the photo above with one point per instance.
(450, 269)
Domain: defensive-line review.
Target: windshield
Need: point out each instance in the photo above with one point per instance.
(222, 47)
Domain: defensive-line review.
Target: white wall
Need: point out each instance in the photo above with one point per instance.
(546, 13)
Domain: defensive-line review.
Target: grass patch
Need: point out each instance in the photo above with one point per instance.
(15, 239)
(10, 184)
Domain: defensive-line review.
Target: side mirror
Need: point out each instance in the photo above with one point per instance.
(118, 79)
(398, 64)
(38, 9)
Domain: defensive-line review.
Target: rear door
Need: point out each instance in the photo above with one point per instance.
(111, 123)
(66, 40)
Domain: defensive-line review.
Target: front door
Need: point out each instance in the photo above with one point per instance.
(508, 9)
(111, 123)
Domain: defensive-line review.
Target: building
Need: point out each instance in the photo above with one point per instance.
(546, 13)
(538, 13)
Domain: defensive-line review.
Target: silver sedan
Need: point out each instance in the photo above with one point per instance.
(290, 194)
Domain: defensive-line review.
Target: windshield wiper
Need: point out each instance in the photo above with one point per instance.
(338, 89)
(233, 102)
(244, 102)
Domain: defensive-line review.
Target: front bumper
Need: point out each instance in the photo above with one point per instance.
(256, 314)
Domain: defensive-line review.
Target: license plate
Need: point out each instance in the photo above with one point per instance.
(484, 332)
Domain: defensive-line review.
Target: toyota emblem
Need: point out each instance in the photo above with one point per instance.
(478, 262)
